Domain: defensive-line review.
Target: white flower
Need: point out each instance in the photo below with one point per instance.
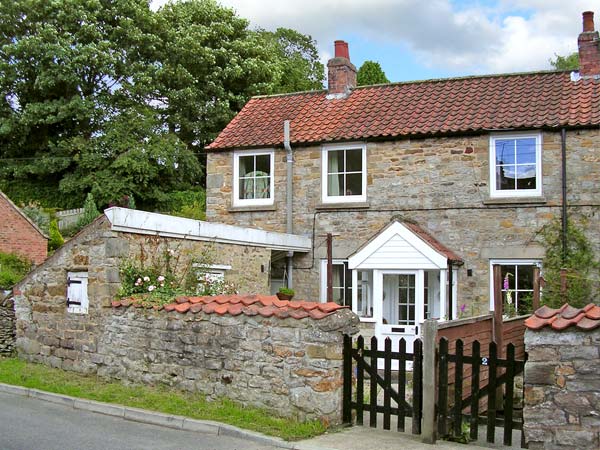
(161, 278)
(171, 252)
(151, 288)
(146, 278)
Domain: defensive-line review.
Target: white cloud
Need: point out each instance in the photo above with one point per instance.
(465, 37)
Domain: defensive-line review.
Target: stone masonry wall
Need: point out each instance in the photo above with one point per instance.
(7, 326)
(562, 389)
(290, 367)
(18, 236)
(47, 333)
(441, 183)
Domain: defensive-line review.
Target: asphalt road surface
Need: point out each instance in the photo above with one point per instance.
(30, 424)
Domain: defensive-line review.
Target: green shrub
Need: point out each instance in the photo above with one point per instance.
(90, 211)
(38, 215)
(56, 239)
(190, 204)
(12, 269)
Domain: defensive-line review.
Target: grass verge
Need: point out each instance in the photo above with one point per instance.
(156, 398)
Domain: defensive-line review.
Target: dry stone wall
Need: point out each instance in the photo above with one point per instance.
(7, 326)
(562, 389)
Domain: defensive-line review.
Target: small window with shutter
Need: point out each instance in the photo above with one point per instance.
(77, 295)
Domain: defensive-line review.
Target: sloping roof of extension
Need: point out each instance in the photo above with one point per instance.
(586, 318)
(433, 242)
(249, 305)
(22, 214)
(421, 108)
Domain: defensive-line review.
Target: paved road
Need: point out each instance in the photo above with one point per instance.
(29, 424)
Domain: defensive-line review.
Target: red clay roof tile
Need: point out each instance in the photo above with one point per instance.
(586, 318)
(249, 305)
(530, 100)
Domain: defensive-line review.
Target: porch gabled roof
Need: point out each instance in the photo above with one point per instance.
(403, 245)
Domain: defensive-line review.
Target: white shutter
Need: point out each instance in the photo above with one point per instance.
(77, 295)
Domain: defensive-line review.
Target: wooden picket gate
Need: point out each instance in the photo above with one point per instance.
(501, 376)
(365, 362)
(450, 412)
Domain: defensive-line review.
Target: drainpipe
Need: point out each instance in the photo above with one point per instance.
(289, 180)
(563, 138)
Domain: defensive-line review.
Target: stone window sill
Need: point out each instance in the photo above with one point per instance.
(350, 205)
(257, 208)
(514, 200)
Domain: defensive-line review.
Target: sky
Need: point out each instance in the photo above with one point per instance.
(423, 39)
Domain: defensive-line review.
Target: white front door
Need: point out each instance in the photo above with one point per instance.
(402, 307)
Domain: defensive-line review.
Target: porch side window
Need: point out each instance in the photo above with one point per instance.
(342, 287)
(344, 173)
(515, 165)
(253, 178)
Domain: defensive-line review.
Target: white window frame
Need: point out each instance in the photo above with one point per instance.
(237, 201)
(324, 174)
(509, 262)
(498, 193)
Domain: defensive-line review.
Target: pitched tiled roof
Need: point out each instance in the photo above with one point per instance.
(249, 305)
(586, 318)
(433, 242)
(533, 100)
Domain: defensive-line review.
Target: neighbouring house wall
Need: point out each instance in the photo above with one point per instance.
(18, 236)
(441, 183)
(562, 389)
(7, 326)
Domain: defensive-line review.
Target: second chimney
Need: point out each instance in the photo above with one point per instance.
(341, 72)
(589, 47)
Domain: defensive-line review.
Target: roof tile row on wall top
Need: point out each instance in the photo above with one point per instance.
(586, 318)
(249, 305)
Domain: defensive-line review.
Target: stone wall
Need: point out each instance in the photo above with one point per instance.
(562, 389)
(7, 326)
(441, 183)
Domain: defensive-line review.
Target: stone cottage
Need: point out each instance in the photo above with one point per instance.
(19, 234)
(424, 186)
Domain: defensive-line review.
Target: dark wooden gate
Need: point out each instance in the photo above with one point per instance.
(464, 406)
(361, 364)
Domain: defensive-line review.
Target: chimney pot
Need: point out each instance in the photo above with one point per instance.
(588, 21)
(341, 49)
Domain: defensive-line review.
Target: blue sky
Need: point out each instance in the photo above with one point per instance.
(422, 39)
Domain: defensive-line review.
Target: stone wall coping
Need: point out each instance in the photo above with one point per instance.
(143, 222)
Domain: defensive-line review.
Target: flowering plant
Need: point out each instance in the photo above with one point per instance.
(509, 309)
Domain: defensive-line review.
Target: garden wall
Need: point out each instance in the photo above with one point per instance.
(562, 383)
(7, 326)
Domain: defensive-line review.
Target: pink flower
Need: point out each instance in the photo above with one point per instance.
(506, 283)
(161, 278)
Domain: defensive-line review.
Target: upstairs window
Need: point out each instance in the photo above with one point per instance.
(516, 165)
(344, 173)
(253, 178)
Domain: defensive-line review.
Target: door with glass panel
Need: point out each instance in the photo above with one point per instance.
(402, 307)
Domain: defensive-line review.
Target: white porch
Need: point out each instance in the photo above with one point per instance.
(400, 278)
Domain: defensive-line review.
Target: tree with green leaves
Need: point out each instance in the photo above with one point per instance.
(90, 211)
(370, 73)
(569, 62)
(579, 261)
(297, 61)
(113, 98)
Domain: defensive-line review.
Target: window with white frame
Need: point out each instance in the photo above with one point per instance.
(515, 165)
(342, 287)
(517, 284)
(344, 173)
(253, 179)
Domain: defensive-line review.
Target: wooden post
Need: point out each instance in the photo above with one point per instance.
(498, 326)
(347, 388)
(429, 428)
(563, 285)
(536, 289)
(329, 267)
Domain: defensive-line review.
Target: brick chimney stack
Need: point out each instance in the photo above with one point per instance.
(341, 72)
(589, 47)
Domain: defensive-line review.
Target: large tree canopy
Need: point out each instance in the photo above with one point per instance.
(110, 97)
(569, 62)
